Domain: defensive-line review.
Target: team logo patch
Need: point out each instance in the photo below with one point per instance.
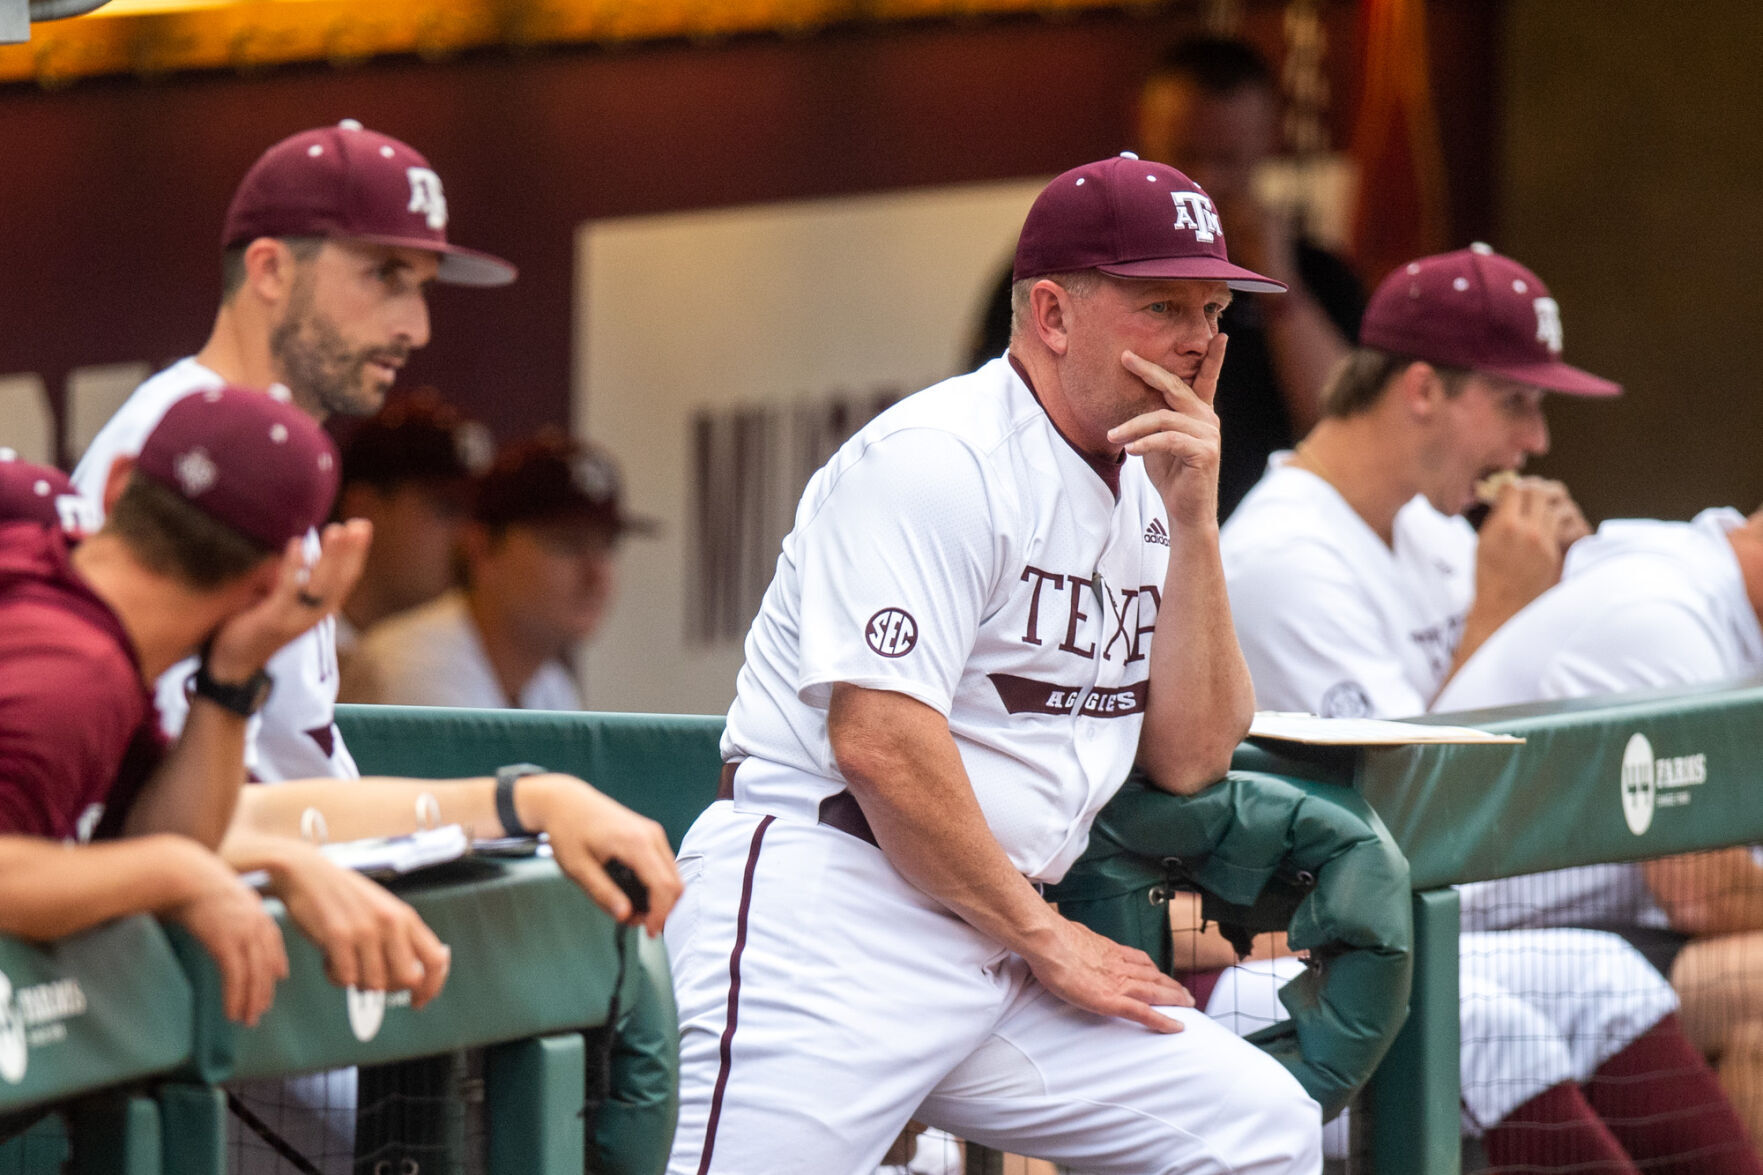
(1549, 323)
(891, 632)
(1155, 533)
(367, 1010)
(1194, 212)
(196, 472)
(1345, 699)
(426, 197)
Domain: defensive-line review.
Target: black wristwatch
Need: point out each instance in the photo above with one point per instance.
(244, 698)
(505, 810)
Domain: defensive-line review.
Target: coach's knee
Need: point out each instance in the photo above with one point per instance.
(1278, 1126)
(1291, 1126)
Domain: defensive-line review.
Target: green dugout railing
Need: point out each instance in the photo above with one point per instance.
(533, 960)
(1630, 779)
(1573, 794)
(120, 1029)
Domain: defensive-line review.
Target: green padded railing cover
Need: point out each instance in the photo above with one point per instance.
(1470, 813)
(662, 765)
(88, 1011)
(531, 955)
(634, 1131)
(1268, 853)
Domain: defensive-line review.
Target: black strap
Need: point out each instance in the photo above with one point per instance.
(277, 1143)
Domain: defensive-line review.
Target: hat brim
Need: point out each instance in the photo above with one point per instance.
(1555, 377)
(1197, 269)
(459, 266)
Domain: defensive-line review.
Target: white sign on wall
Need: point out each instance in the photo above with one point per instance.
(717, 354)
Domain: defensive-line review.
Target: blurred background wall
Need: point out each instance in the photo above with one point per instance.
(1631, 172)
(1609, 144)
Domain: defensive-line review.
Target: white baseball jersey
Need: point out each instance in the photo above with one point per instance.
(433, 655)
(1333, 621)
(1641, 605)
(959, 551)
(294, 736)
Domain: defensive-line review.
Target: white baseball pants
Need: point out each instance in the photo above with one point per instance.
(824, 1000)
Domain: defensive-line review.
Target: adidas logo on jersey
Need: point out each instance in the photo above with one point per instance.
(1155, 532)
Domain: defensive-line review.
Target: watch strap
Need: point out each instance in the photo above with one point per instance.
(243, 698)
(505, 809)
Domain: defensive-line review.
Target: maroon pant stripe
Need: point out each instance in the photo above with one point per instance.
(734, 995)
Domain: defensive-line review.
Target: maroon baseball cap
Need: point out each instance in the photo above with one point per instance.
(245, 458)
(417, 437)
(347, 181)
(1479, 311)
(553, 478)
(42, 494)
(1129, 217)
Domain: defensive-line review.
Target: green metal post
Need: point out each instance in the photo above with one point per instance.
(1414, 1096)
(193, 1118)
(533, 1102)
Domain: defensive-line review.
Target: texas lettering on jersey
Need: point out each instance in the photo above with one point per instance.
(1059, 608)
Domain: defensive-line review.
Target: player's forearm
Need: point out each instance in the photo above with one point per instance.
(1201, 698)
(901, 764)
(386, 806)
(49, 890)
(193, 791)
(1719, 892)
(372, 806)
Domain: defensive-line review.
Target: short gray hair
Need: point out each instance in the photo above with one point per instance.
(1079, 283)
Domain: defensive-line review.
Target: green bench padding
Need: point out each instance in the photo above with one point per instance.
(90, 1010)
(1268, 853)
(662, 765)
(532, 955)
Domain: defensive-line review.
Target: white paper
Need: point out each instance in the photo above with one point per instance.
(390, 855)
(1363, 732)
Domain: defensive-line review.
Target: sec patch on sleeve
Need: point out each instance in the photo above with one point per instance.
(891, 632)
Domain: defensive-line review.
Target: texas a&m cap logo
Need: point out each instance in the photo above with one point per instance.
(1129, 218)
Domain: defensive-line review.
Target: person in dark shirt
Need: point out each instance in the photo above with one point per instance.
(99, 817)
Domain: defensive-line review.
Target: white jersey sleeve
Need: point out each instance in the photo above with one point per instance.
(1330, 653)
(1636, 647)
(1642, 605)
(125, 433)
(295, 735)
(897, 564)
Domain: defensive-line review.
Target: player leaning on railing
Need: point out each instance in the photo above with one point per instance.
(99, 817)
